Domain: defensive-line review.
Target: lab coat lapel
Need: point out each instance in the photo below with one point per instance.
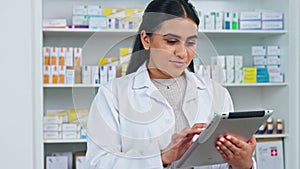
(142, 81)
(192, 98)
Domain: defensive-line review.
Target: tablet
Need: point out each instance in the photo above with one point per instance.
(240, 124)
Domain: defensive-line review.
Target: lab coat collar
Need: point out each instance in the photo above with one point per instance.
(142, 79)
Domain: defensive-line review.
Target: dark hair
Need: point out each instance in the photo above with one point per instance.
(155, 13)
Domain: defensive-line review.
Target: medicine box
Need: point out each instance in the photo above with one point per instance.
(80, 10)
(273, 50)
(250, 25)
(229, 63)
(71, 127)
(86, 75)
(250, 16)
(209, 20)
(80, 20)
(273, 60)
(69, 60)
(97, 22)
(272, 16)
(56, 162)
(52, 119)
(259, 60)
(53, 56)
(258, 50)
(238, 63)
(52, 135)
(77, 56)
(272, 25)
(94, 10)
(219, 16)
(52, 127)
(46, 55)
(70, 135)
(276, 77)
(269, 154)
(47, 74)
(70, 75)
(54, 23)
(61, 74)
(54, 74)
(61, 56)
(238, 77)
(274, 68)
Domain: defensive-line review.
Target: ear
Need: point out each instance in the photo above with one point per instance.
(145, 40)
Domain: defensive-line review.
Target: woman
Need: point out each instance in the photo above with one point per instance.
(148, 118)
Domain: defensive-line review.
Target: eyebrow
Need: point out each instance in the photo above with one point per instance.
(178, 37)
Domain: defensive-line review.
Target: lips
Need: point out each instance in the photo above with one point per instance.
(178, 63)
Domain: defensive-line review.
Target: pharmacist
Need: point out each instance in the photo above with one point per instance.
(148, 118)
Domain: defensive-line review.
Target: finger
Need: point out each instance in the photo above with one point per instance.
(237, 142)
(229, 145)
(223, 148)
(199, 125)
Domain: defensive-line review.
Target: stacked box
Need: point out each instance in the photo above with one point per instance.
(238, 69)
(272, 20)
(250, 20)
(274, 64)
(249, 74)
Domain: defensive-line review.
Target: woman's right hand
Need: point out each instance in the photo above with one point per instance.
(180, 143)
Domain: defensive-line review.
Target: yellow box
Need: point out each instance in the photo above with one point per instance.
(250, 79)
(249, 71)
(111, 11)
(107, 60)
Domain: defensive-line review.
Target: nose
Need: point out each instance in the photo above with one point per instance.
(181, 50)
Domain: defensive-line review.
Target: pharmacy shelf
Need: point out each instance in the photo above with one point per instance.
(66, 141)
(260, 33)
(255, 85)
(84, 140)
(271, 135)
(225, 85)
(69, 85)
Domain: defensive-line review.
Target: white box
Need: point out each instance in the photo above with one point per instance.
(238, 63)
(219, 17)
(230, 76)
(70, 127)
(52, 119)
(271, 16)
(97, 22)
(274, 68)
(103, 74)
(276, 77)
(80, 10)
(250, 16)
(221, 62)
(269, 155)
(95, 75)
(273, 60)
(53, 56)
(273, 50)
(201, 17)
(80, 20)
(56, 162)
(54, 23)
(52, 135)
(54, 74)
(272, 25)
(209, 20)
(70, 75)
(69, 155)
(61, 56)
(238, 77)
(250, 25)
(77, 56)
(259, 60)
(47, 74)
(112, 72)
(258, 51)
(86, 75)
(70, 135)
(69, 60)
(229, 62)
(61, 74)
(95, 10)
(46, 55)
(52, 127)
(234, 21)
(80, 162)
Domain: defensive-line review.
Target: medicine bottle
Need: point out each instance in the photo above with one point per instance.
(270, 125)
(261, 129)
(279, 126)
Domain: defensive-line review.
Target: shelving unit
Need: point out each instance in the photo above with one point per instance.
(278, 96)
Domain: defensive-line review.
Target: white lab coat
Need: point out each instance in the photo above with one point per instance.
(130, 121)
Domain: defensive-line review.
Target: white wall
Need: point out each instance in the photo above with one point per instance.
(19, 84)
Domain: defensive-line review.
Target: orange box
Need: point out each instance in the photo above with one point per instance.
(61, 56)
(46, 55)
(53, 56)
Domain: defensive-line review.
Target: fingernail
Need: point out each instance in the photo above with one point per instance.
(228, 137)
(222, 139)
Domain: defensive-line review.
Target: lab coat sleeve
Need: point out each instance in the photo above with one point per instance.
(104, 143)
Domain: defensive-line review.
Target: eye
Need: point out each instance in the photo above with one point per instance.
(191, 43)
(171, 41)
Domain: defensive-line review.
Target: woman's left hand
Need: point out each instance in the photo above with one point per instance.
(236, 152)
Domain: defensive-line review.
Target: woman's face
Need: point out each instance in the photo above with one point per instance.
(172, 47)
